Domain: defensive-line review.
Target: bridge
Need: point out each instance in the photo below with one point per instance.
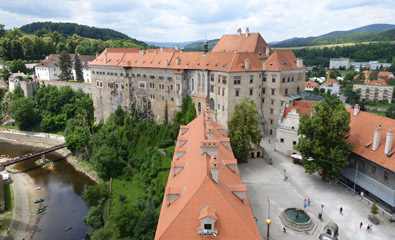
(31, 155)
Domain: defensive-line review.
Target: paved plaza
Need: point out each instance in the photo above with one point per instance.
(267, 181)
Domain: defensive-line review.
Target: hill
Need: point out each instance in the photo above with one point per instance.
(170, 44)
(68, 29)
(374, 32)
(198, 46)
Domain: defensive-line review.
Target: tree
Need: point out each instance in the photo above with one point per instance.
(78, 69)
(2, 30)
(65, 66)
(106, 163)
(390, 113)
(243, 128)
(374, 209)
(351, 96)
(17, 65)
(322, 142)
(22, 111)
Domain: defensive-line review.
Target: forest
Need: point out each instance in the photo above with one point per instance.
(14, 44)
(382, 52)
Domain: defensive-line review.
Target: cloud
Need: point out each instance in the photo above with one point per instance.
(185, 20)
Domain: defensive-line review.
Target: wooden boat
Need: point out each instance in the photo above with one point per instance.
(40, 210)
(39, 200)
(37, 188)
(68, 229)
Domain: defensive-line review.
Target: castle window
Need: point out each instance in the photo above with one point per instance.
(142, 85)
(223, 91)
(212, 88)
(263, 90)
(283, 79)
(138, 75)
(224, 79)
(144, 76)
(237, 92)
(273, 91)
(212, 78)
(281, 140)
(236, 80)
(251, 78)
(169, 77)
(219, 91)
(298, 89)
(273, 79)
(152, 76)
(219, 78)
(251, 91)
(286, 91)
(289, 79)
(264, 78)
(293, 142)
(263, 100)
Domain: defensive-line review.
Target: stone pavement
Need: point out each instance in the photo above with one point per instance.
(267, 181)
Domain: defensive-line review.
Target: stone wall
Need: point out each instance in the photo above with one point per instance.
(85, 87)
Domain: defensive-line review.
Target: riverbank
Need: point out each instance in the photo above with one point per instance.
(24, 223)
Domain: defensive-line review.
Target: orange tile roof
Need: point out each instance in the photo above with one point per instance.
(254, 43)
(217, 61)
(384, 74)
(311, 83)
(362, 132)
(330, 82)
(300, 107)
(181, 219)
(378, 82)
(281, 60)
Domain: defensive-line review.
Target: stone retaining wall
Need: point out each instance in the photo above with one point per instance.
(85, 87)
(50, 139)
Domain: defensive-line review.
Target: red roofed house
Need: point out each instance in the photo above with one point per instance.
(287, 129)
(385, 75)
(240, 65)
(205, 196)
(310, 85)
(373, 156)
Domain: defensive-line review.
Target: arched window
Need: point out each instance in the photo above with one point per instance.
(212, 104)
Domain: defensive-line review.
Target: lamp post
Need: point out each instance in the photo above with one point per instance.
(268, 222)
(322, 209)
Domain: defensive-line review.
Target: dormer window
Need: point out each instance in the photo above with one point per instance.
(207, 218)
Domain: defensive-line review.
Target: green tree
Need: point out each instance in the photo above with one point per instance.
(390, 113)
(2, 30)
(23, 112)
(78, 69)
(243, 128)
(17, 65)
(374, 209)
(321, 140)
(107, 163)
(95, 217)
(95, 194)
(351, 96)
(65, 65)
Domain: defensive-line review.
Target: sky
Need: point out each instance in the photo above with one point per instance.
(189, 20)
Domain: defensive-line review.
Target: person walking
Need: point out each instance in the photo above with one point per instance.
(284, 230)
(308, 201)
(360, 225)
(304, 206)
(305, 201)
(368, 228)
(371, 227)
(341, 210)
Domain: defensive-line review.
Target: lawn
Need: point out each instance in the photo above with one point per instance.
(379, 105)
(6, 216)
(376, 112)
(127, 189)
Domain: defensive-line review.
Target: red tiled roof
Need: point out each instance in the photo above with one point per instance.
(300, 107)
(254, 43)
(384, 74)
(378, 82)
(362, 132)
(281, 60)
(202, 196)
(311, 83)
(330, 82)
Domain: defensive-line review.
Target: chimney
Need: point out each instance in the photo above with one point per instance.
(178, 61)
(176, 48)
(214, 166)
(267, 51)
(161, 49)
(328, 74)
(156, 52)
(142, 52)
(356, 109)
(238, 32)
(388, 141)
(376, 138)
(167, 63)
(105, 57)
(247, 64)
(247, 32)
(299, 62)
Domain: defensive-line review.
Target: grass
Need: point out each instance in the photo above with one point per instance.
(126, 188)
(376, 113)
(6, 216)
(379, 105)
(10, 127)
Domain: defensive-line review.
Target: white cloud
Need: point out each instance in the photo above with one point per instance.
(185, 20)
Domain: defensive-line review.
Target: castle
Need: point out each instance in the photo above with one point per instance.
(156, 80)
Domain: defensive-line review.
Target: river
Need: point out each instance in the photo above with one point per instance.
(62, 187)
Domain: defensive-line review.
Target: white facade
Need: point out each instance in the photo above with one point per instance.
(287, 133)
(333, 88)
(48, 73)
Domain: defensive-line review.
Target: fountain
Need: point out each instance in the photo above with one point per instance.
(297, 219)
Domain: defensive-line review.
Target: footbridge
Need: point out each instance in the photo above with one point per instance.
(31, 155)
